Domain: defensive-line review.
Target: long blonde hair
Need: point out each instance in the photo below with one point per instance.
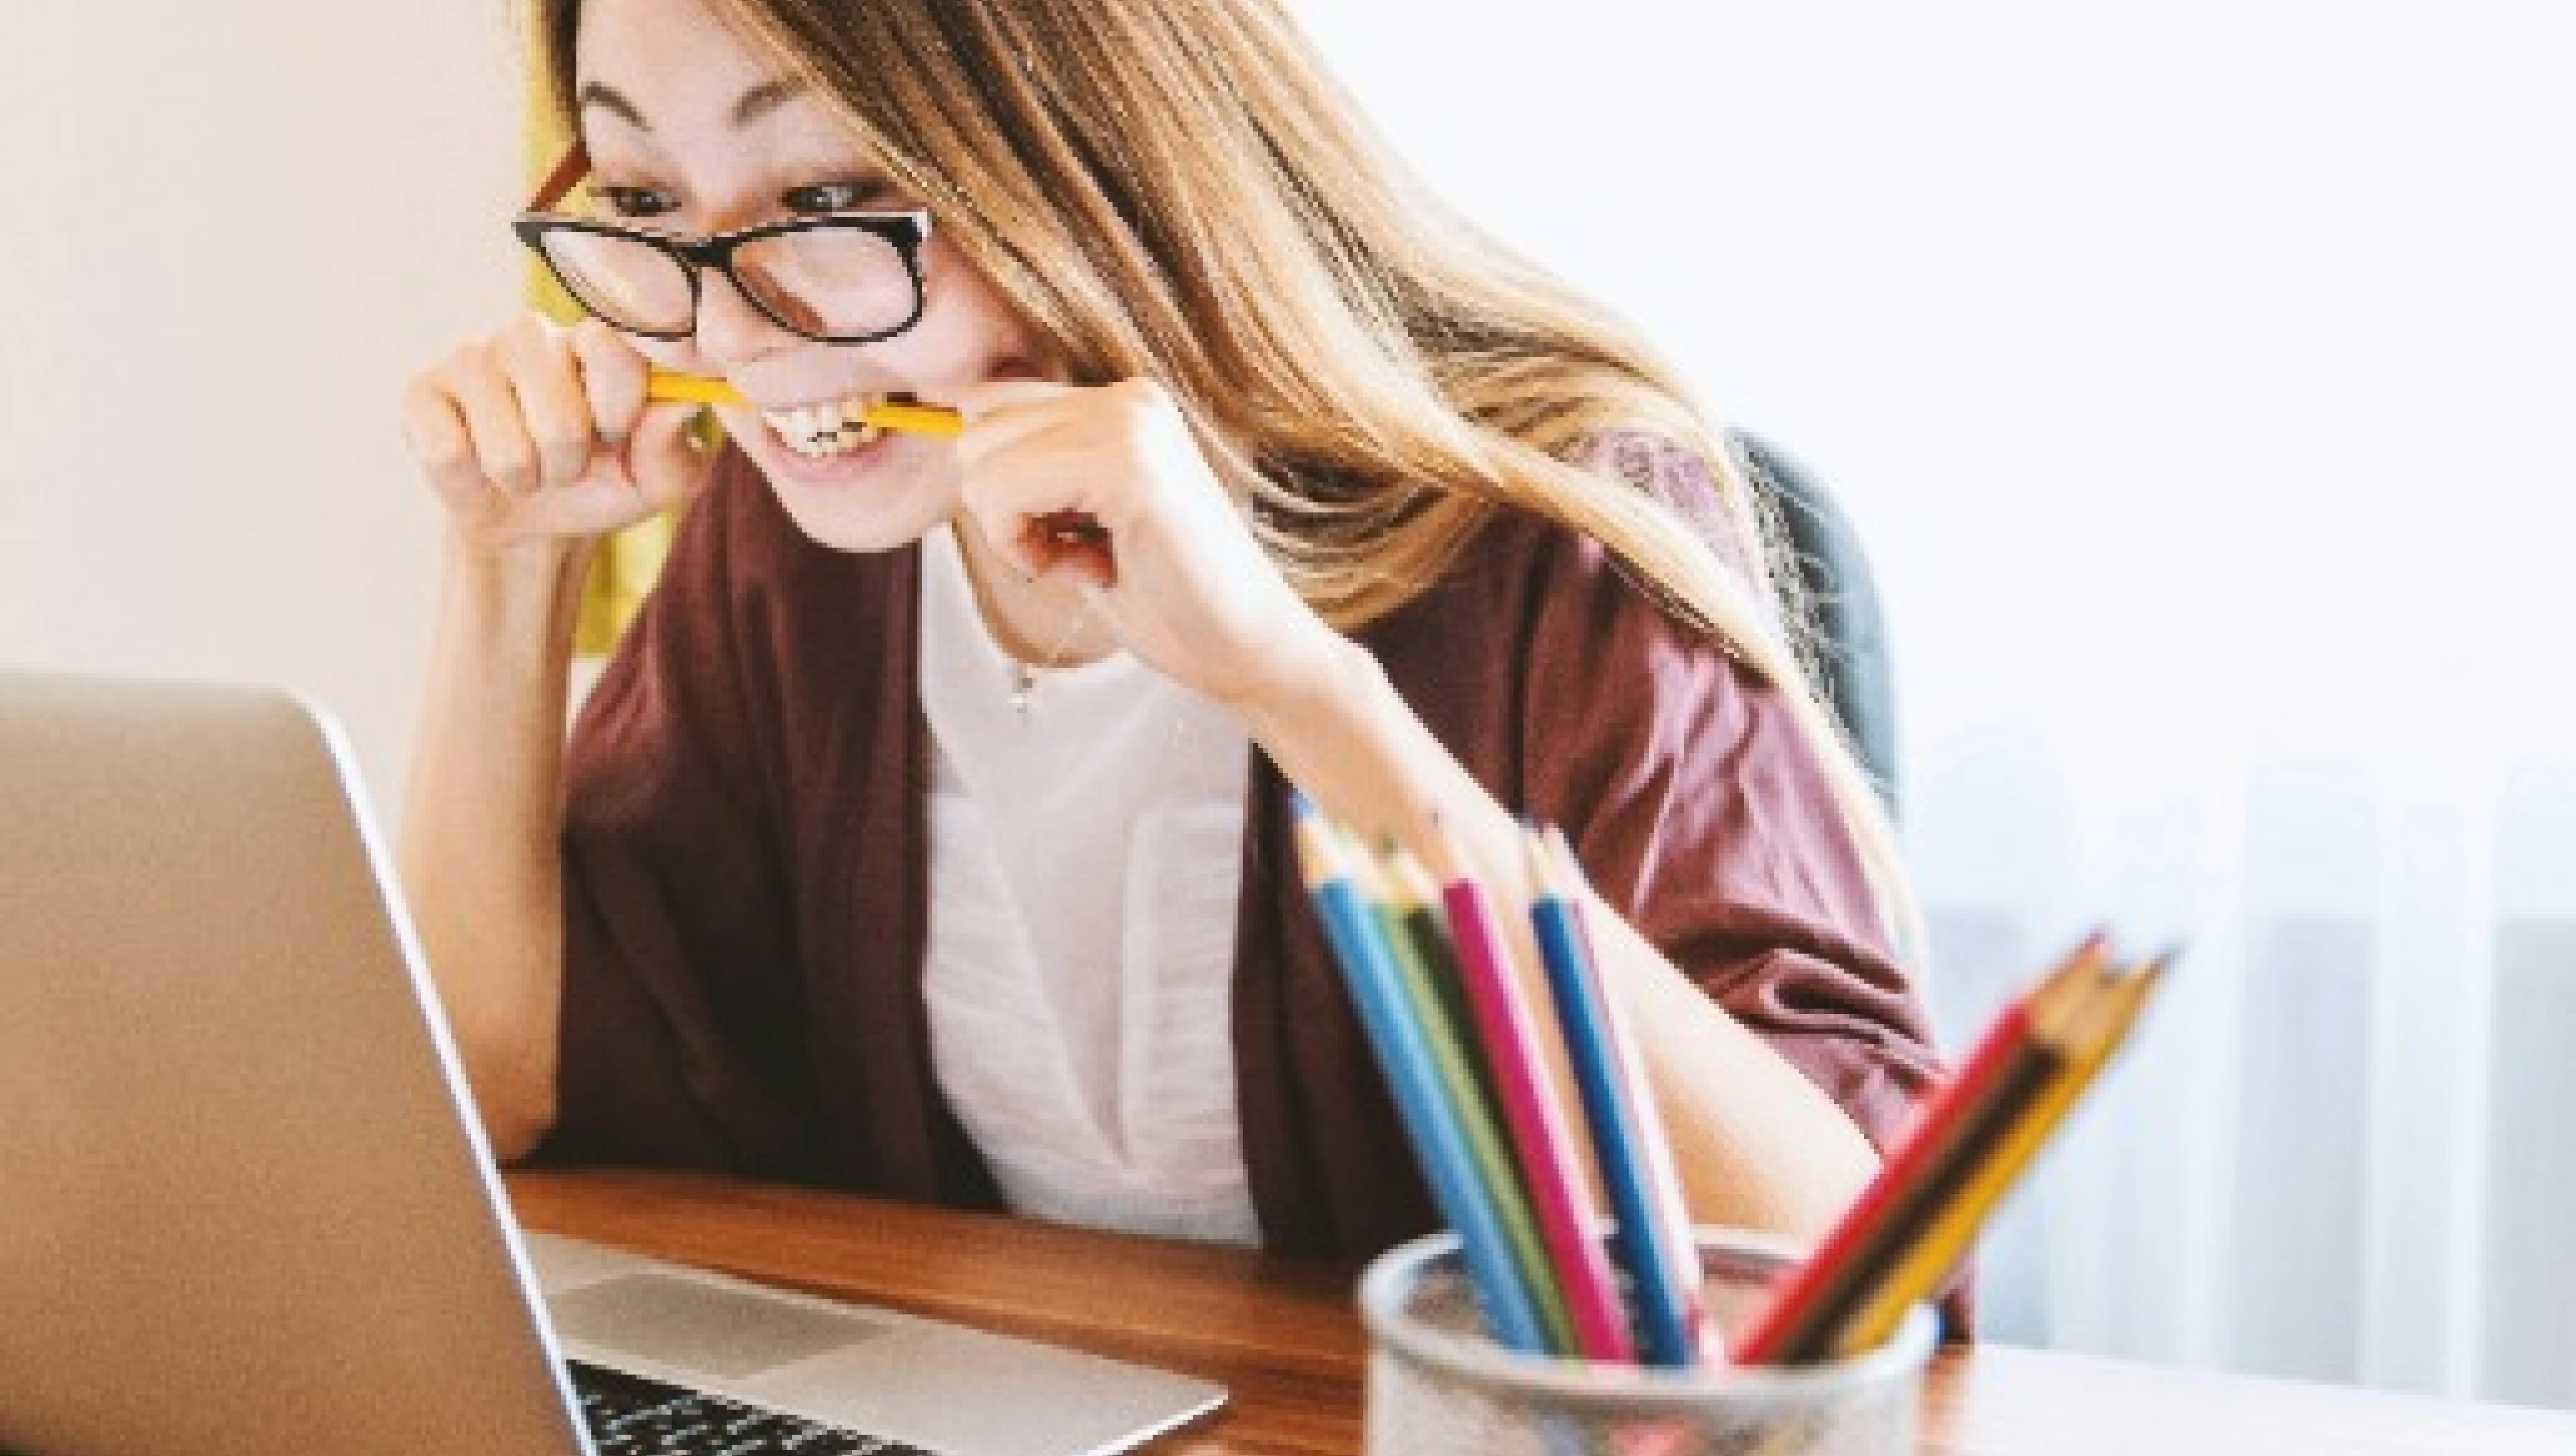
(1176, 189)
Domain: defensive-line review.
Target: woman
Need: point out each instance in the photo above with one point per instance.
(926, 835)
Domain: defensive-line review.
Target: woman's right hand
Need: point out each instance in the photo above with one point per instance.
(542, 433)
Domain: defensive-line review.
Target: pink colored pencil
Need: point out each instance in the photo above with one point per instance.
(1550, 1161)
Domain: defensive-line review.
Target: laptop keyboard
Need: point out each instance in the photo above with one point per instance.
(629, 1415)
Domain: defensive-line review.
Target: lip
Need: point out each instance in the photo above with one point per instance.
(782, 463)
(819, 401)
(825, 397)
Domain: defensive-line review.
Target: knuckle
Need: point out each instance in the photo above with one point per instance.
(457, 363)
(561, 435)
(524, 348)
(595, 340)
(510, 467)
(433, 434)
(565, 457)
(476, 363)
(423, 405)
(442, 451)
(531, 328)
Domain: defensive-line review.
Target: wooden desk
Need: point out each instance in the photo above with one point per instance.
(1283, 1335)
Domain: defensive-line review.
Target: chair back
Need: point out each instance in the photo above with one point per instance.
(1853, 661)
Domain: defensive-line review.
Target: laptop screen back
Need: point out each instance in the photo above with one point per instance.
(241, 1211)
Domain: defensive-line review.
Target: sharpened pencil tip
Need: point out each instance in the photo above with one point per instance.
(1534, 860)
(1319, 849)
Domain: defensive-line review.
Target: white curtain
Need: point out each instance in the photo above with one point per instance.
(2342, 1146)
(2203, 379)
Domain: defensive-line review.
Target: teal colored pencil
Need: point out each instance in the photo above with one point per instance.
(1385, 1012)
(1423, 955)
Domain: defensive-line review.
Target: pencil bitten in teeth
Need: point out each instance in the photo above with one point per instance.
(820, 430)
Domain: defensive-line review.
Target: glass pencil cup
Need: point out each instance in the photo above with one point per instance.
(1437, 1386)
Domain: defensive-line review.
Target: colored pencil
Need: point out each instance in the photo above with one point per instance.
(1798, 1319)
(1412, 892)
(1376, 984)
(1680, 1240)
(1550, 1159)
(1626, 1135)
(1430, 974)
(2100, 1031)
(2036, 1062)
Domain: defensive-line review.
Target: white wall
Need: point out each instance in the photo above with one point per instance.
(2245, 293)
(229, 232)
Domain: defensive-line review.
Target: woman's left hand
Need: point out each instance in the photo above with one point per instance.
(1173, 567)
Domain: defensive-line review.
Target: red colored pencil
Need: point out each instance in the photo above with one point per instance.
(1800, 1310)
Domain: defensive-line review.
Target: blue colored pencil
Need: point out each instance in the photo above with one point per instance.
(1625, 1132)
(1378, 993)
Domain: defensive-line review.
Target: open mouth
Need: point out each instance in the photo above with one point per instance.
(821, 431)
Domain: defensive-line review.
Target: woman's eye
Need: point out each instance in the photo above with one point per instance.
(833, 196)
(635, 201)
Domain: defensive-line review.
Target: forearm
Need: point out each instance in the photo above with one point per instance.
(482, 820)
(1757, 1144)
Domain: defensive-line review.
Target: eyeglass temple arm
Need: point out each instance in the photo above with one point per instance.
(574, 166)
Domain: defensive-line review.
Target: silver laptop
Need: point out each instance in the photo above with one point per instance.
(246, 1209)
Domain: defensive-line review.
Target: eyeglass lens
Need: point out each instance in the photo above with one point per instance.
(830, 281)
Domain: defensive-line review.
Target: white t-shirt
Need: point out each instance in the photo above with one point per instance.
(1086, 859)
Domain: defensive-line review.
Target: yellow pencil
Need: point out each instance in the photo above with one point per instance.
(690, 389)
(919, 419)
(2100, 1029)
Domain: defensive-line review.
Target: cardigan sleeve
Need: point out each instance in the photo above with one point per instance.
(676, 1047)
(1698, 807)
(1694, 800)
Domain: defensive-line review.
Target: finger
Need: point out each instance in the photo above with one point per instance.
(1070, 543)
(662, 459)
(1006, 430)
(1056, 489)
(979, 402)
(1003, 509)
(552, 406)
(440, 441)
(1036, 545)
(612, 376)
(1046, 470)
(503, 454)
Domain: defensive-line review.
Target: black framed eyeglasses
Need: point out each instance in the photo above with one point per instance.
(840, 278)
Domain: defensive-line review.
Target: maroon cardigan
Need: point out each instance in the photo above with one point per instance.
(746, 843)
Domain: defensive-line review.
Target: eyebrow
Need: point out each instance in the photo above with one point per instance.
(754, 104)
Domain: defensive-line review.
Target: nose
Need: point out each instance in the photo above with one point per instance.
(730, 330)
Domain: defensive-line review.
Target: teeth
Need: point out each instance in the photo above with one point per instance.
(823, 430)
